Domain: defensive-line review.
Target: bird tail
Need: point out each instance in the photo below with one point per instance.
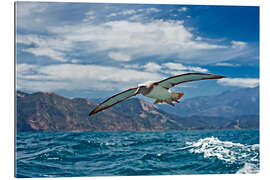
(176, 96)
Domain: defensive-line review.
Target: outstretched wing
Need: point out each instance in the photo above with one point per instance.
(174, 80)
(115, 99)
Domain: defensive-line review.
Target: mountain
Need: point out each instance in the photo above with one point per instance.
(46, 111)
(244, 101)
(43, 111)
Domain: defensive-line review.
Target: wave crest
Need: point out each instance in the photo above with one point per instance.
(230, 152)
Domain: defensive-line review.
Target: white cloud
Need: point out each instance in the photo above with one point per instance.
(155, 38)
(183, 9)
(89, 16)
(29, 8)
(119, 56)
(24, 69)
(134, 12)
(56, 55)
(123, 40)
(181, 67)
(239, 82)
(54, 48)
(75, 61)
(30, 15)
(198, 38)
(74, 76)
(129, 12)
(174, 72)
(131, 66)
(175, 66)
(238, 44)
(226, 64)
(122, 13)
(152, 67)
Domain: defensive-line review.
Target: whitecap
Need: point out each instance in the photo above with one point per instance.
(225, 150)
(109, 144)
(248, 168)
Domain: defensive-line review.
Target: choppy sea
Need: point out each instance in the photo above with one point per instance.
(72, 154)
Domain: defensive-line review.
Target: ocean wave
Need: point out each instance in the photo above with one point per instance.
(249, 168)
(227, 151)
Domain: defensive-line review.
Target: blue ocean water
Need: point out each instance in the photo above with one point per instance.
(70, 154)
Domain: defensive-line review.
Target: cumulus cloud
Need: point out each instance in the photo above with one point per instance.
(137, 39)
(181, 67)
(152, 67)
(134, 35)
(239, 82)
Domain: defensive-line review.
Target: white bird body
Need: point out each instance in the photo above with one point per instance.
(160, 91)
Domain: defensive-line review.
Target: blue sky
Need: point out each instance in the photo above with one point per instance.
(95, 50)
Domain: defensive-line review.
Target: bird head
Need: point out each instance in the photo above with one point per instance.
(140, 88)
(145, 87)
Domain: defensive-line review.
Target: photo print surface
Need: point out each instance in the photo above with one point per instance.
(136, 89)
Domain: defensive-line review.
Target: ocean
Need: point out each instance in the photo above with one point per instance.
(73, 154)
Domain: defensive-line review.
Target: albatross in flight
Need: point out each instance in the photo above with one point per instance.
(160, 90)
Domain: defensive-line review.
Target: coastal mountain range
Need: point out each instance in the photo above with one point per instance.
(47, 111)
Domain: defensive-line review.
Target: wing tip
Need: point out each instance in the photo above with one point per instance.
(93, 112)
(220, 76)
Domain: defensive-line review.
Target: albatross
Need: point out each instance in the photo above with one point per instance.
(160, 90)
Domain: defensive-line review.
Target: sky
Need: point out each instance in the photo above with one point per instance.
(94, 50)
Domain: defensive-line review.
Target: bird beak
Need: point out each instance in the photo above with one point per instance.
(138, 91)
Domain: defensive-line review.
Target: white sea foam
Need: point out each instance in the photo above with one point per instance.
(227, 151)
(109, 144)
(248, 168)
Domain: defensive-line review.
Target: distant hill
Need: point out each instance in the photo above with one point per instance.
(244, 101)
(45, 111)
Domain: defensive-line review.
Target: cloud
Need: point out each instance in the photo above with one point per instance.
(29, 15)
(120, 38)
(226, 64)
(30, 8)
(135, 39)
(152, 67)
(129, 12)
(55, 55)
(239, 82)
(238, 44)
(75, 76)
(118, 56)
(89, 16)
(54, 48)
(198, 38)
(183, 9)
(181, 67)
(95, 77)
(122, 13)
